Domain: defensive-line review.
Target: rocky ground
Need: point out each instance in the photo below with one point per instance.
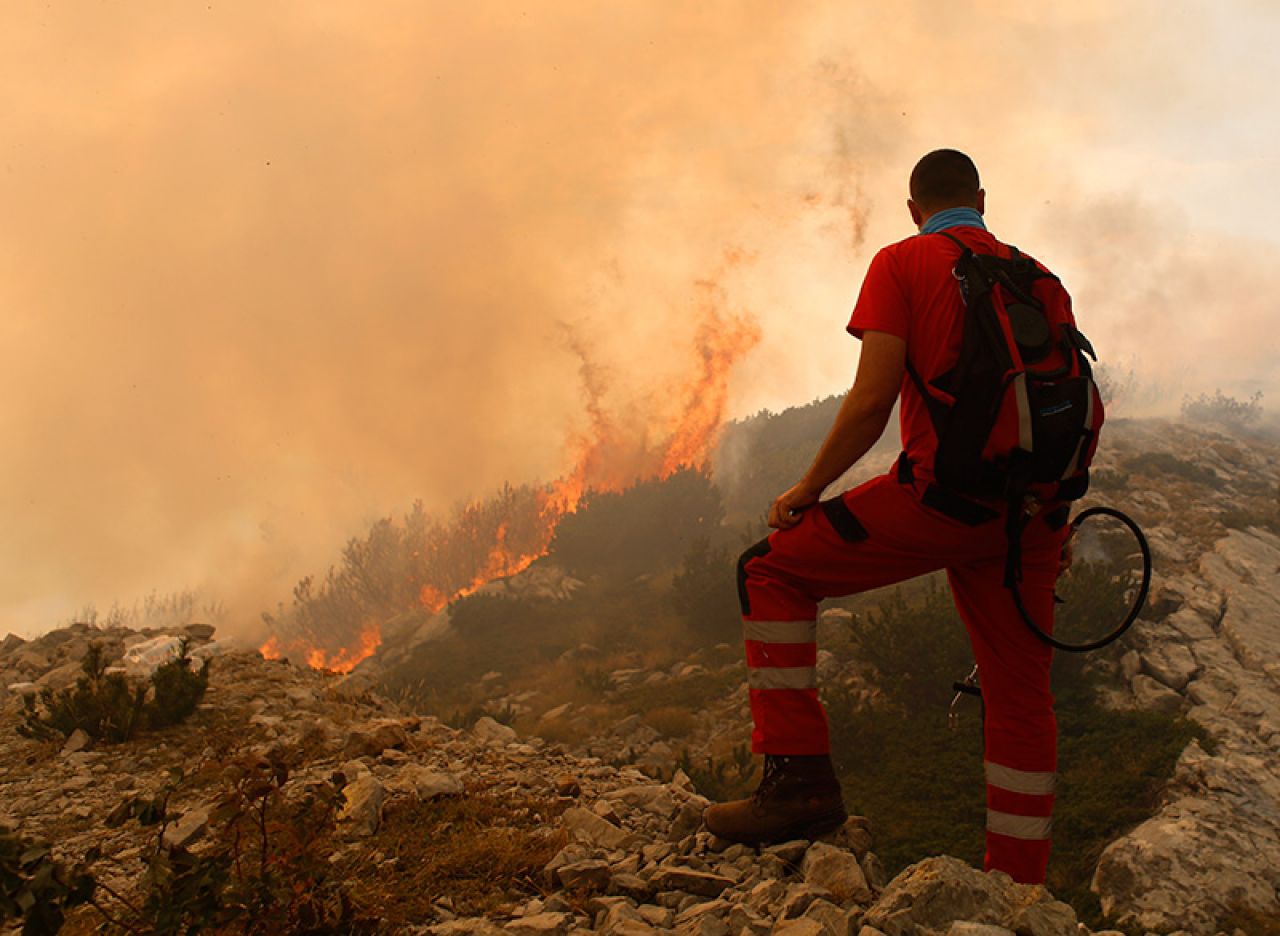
(1207, 648)
(627, 854)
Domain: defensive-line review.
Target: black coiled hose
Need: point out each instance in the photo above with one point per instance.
(1137, 604)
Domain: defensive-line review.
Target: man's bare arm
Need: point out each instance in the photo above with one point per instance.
(859, 424)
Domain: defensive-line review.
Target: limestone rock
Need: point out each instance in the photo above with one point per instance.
(965, 928)
(1171, 664)
(541, 924)
(189, 827)
(802, 926)
(493, 732)
(77, 741)
(1150, 694)
(361, 812)
(702, 883)
(373, 739)
(837, 871)
(652, 797)
(835, 920)
(468, 926)
(792, 852)
(430, 784)
(937, 892)
(586, 826)
(591, 874)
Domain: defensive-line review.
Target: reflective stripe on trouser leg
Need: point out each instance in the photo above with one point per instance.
(1019, 821)
(1020, 732)
(782, 677)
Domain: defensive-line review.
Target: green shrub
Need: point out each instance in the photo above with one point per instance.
(1223, 410)
(719, 779)
(704, 593)
(648, 527)
(105, 706)
(1167, 464)
(176, 691)
(113, 708)
(918, 651)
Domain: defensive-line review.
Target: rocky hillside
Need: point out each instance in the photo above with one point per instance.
(449, 832)
(1211, 649)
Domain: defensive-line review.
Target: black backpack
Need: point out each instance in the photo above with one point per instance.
(1018, 415)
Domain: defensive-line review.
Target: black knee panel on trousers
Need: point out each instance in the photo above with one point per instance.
(752, 552)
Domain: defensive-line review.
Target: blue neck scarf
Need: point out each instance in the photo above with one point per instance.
(953, 217)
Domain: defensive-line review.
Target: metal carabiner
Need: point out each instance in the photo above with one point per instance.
(967, 686)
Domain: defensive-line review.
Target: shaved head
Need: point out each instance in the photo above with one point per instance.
(945, 178)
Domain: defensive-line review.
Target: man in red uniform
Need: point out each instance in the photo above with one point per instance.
(892, 528)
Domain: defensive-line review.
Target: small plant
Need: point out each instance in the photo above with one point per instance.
(597, 682)
(720, 779)
(36, 889)
(1221, 409)
(111, 707)
(266, 871)
(177, 690)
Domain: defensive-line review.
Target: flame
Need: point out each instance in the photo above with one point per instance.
(616, 451)
(343, 661)
(720, 344)
(501, 563)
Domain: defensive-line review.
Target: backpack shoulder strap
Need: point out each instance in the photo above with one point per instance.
(955, 240)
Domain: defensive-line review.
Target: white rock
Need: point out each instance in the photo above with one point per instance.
(837, 871)
(493, 732)
(1171, 664)
(1151, 695)
(541, 924)
(803, 926)
(187, 829)
(651, 797)
(361, 812)
(586, 826)
(77, 741)
(430, 784)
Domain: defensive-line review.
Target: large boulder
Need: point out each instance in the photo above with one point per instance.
(937, 892)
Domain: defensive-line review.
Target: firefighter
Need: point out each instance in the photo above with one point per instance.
(895, 527)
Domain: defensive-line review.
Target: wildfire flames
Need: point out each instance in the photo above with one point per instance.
(606, 458)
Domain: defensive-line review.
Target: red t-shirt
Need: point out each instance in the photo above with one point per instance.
(909, 292)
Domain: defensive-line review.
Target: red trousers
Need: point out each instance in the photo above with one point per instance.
(885, 531)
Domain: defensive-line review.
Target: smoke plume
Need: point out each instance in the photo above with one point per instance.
(269, 271)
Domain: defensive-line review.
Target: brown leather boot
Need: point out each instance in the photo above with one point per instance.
(798, 797)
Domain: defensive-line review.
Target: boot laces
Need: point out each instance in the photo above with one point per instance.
(770, 777)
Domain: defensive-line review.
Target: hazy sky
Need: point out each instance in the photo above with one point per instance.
(270, 269)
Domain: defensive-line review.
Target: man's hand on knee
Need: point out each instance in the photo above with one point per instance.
(786, 510)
